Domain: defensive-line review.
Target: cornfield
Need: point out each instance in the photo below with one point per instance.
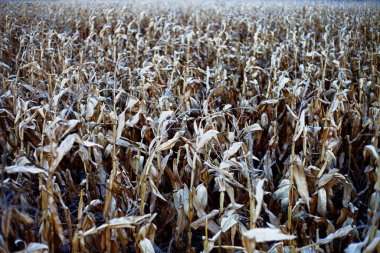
(189, 127)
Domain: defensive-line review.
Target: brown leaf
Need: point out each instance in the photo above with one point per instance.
(62, 150)
(300, 178)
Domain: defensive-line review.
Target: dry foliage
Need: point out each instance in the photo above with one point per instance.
(203, 127)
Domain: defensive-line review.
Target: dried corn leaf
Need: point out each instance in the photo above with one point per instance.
(146, 246)
(267, 235)
(35, 247)
(62, 150)
(24, 169)
(205, 138)
(121, 222)
(342, 232)
(301, 182)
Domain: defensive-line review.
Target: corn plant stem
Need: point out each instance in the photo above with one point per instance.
(377, 190)
(291, 182)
